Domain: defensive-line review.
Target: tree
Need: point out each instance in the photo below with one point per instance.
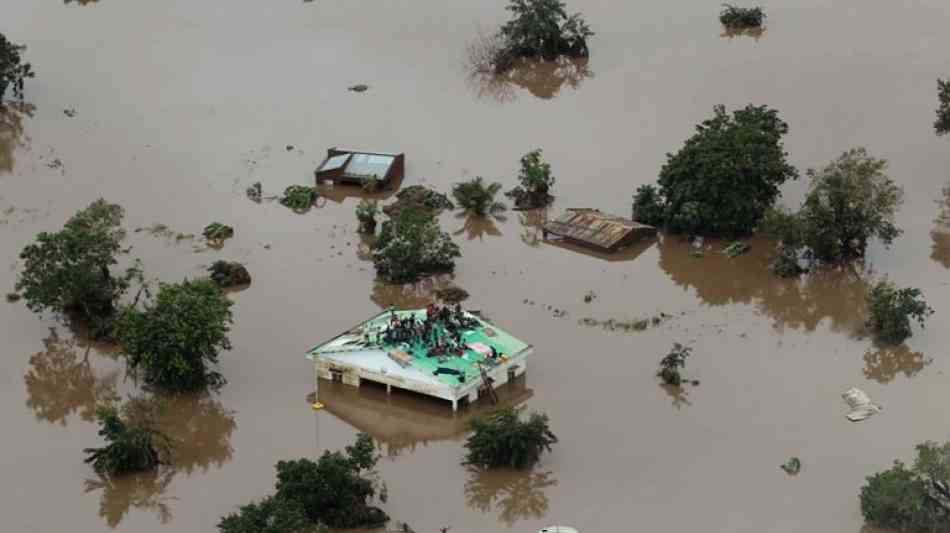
(740, 18)
(176, 338)
(891, 310)
(70, 270)
(335, 489)
(412, 245)
(270, 515)
(648, 206)
(299, 198)
(911, 498)
(366, 212)
(13, 71)
(726, 175)
(543, 28)
(476, 197)
(132, 445)
(536, 182)
(671, 364)
(502, 439)
(942, 125)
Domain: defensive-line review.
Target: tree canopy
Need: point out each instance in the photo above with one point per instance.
(132, 445)
(724, 178)
(412, 245)
(543, 28)
(70, 270)
(911, 498)
(477, 197)
(503, 439)
(535, 180)
(891, 310)
(270, 515)
(13, 71)
(942, 124)
(174, 341)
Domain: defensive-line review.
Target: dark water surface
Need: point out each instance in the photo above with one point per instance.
(180, 105)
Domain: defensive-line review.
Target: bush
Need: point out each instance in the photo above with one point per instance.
(418, 198)
(502, 439)
(892, 309)
(229, 274)
(648, 206)
(176, 338)
(70, 270)
(216, 233)
(543, 28)
(299, 198)
(13, 71)
(132, 445)
(915, 498)
(271, 515)
(740, 18)
(942, 125)
(334, 490)
(412, 245)
(366, 212)
(671, 364)
(535, 181)
(476, 197)
(726, 175)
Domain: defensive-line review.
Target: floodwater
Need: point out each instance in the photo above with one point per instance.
(173, 108)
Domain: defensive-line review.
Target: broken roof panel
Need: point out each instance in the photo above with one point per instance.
(595, 228)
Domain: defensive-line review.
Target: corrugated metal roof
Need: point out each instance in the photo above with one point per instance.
(369, 165)
(594, 227)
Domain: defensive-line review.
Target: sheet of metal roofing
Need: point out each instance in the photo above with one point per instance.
(334, 163)
(591, 226)
(369, 165)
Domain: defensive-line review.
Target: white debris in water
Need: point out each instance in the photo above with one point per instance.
(861, 405)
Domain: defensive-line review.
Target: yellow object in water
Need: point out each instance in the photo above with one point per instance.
(317, 405)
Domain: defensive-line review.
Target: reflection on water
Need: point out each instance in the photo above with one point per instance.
(476, 227)
(403, 419)
(755, 33)
(338, 193)
(532, 222)
(60, 382)
(940, 249)
(410, 295)
(678, 395)
(11, 132)
(541, 78)
(884, 363)
(514, 494)
(199, 428)
(835, 295)
(628, 253)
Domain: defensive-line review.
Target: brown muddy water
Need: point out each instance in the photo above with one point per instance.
(173, 108)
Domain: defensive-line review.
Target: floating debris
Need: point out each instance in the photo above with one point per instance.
(69, 112)
(216, 233)
(229, 274)
(861, 405)
(358, 88)
(55, 164)
(255, 192)
(793, 466)
(625, 325)
(589, 297)
(13, 297)
(736, 248)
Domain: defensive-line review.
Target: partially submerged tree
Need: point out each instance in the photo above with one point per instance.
(299, 198)
(132, 445)
(477, 197)
(911, 498)
(412, 245)
(503, 439)
(71, 270)
(174, 341)
(13, 71)
(942, 124)
(229, 274)
(741, 18)
(366, 212)
(337, 488)
(891, 311)
(849, 202)
(672, 363)
(535, 180)
(216, 233)
(543, 28)
(418, 198)
(270, 515)
(724, 178)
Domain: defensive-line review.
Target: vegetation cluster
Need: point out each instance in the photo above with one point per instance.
(477, 197)
(891, 311)
(915, 498)
(503, 439)
(412, 245)
(13, 71)
(535, 182)
(741, 18)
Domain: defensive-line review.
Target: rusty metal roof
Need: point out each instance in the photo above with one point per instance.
(594, 227)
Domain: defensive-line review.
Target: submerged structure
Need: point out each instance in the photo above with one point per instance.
(445, 353)
(352, 167)
(597, 230)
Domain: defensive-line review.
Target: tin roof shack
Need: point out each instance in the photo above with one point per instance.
(351, 167)
(449, 361)
(593, 228)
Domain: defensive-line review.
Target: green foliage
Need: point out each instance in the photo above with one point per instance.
(13, 71)
(177, 337)
(270, 515)
(793, 466)
(412, 245)
(648, 206)
(366, 212)
(671, 364)
(132, 445)
(911, 498)
(740, 18)
(942, 125)
(229, 274)
(502, 439)
(727, 174)
(299, 197)
(335, 489)
(536, 182)
(736, 248)
(418, 198)
(477, 197)
(891, 310)
(70, 270)
(217, 232)
(543, 28)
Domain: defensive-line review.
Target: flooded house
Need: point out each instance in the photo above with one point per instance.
(452, 355)
(597, 230)
(351, 167)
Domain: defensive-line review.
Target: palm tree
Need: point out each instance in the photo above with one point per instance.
(477, 197)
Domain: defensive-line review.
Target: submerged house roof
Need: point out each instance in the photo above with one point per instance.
(355, 167)
(594, 228)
